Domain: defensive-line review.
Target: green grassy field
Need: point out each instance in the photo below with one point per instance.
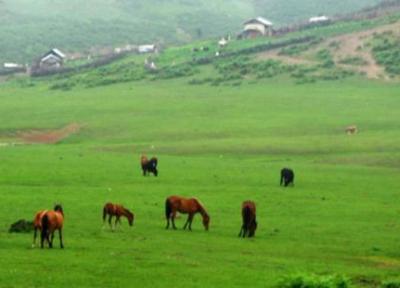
(222, 145)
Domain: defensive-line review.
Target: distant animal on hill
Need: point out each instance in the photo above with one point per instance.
(287, 177)
(47, 221)
(249, 224)
(21, 226)
(191, 206)
(149, 166)
(118, 211)
(350, 130)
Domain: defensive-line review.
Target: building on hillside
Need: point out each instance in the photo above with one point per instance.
(319, 20)
(52, 59)
(149, 48)
(12, 66)
(257, 27)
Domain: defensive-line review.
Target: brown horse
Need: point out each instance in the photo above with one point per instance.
(352, 129)
(47, 221)
(117, 211)
(174, 204)
(249, 225)
(149, 166)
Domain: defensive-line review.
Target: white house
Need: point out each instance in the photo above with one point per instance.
(12, 65)
(52, 59)
(257, 27)
(150, 48)
(318, 20)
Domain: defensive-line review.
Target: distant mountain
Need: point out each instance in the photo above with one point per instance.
(30, 27)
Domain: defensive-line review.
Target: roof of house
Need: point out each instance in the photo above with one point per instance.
(259, 20)
(55, 52)
(318, 19)
(50, 57)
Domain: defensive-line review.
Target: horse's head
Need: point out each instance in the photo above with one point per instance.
(206, 222)
(58, 208)
(143, 159)
(252, 228)
(130, 217)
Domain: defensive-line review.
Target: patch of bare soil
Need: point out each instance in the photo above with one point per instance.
(49, 136)
(354, 45)
(348, 45)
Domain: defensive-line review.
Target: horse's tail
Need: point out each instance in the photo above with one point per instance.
(282, 172)
(45, 226)
(246, 215)
(168, 208)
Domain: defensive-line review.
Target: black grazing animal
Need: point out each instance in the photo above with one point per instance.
(149, 166)
(249, 225)
(287, 177)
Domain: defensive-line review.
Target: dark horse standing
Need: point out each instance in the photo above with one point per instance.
(287, 177)
(249, 225)
(149, 166)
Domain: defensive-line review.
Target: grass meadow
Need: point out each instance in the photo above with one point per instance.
(223, 145)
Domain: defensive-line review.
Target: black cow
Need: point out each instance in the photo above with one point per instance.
(287, 177)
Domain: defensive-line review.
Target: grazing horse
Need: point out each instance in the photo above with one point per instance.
(249, 225)
(191, 206)
(37, 221)
(117, 211)
(149, 165)
(47, 221)
(287, 177)
(350, 130)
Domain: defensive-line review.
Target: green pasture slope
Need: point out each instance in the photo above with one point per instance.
(223, 145)
(28, 28)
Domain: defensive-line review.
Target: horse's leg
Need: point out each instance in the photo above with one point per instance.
(109, 221)
(186, 223)
(34, 237)
(116, 221)
(42, 237)
(245, 230)
(190, 219)
(173, 220)
(168, 222)
(61, 239)
(51, 239)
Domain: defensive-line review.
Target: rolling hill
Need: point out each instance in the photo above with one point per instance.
(28, 27)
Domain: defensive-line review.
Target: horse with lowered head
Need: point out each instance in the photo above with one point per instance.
(149, 166)
(47, 221)
(191, 206)
(249, 225)
(118, 211)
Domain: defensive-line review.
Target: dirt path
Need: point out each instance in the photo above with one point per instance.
(49, 136)
(349, 45)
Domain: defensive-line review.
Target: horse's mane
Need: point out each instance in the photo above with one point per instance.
(203, 211)
(127, 212)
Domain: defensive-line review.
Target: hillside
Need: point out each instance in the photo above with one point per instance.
(28, 27)
(358, 48)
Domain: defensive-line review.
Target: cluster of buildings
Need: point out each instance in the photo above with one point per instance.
(260, 26)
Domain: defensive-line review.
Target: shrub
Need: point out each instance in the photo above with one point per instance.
(394, 283)
(355, 60)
